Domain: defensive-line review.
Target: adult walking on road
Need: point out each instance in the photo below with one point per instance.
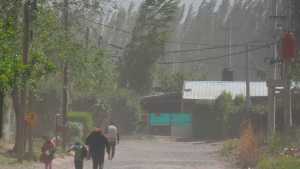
(97, 144)
(113, 138)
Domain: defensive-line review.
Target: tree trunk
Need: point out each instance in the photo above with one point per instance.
(19, 123)
(65, 78)
(2, 95)
(29, 129)
(20, 96)
(65, 104)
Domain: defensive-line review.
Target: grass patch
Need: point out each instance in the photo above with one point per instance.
(279, 162)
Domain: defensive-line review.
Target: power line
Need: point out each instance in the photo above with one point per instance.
(215, 57)
(203, 49)
(175, 42)
(216, 47)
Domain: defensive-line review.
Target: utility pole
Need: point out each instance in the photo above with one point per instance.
(288, 121)
(271, 83)
(287, 99)
(65, 77)
(230, 44)
(228, 74)
(248, 97)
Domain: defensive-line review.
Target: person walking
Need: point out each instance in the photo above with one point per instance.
(113, 138)
(97, 144)
(80, 153)
(48, 151)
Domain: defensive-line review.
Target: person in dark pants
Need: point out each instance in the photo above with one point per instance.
(97, 144)
(80, 153)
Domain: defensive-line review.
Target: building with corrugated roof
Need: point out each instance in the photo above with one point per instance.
(168, 113)
(211, 90)
(199, 96)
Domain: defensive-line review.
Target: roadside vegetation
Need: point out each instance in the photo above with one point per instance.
(278, 152)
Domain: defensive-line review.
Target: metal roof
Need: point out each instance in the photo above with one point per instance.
(210, 90)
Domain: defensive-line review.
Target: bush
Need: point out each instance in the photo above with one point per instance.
(281, 162)
(275, 144)
(230, 148)
(75, 130)
(84, 118)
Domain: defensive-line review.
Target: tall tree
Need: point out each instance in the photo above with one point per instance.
(147, 44)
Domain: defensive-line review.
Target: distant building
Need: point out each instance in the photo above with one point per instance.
(187, 114)
(164, 115)
(199, 95)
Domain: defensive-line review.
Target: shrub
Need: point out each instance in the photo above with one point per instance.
(248, 149)
(275, 144)
(230, 147)
(75, 131)
(84, 118)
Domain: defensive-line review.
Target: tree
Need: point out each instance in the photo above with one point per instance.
(173, 82)
(228, 110)
(13, 71)
(8, 67)
(147, 44)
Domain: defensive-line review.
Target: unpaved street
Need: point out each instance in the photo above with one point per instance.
(155, 154)
(163, 154)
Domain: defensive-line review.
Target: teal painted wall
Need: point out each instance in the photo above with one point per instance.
(168, 119)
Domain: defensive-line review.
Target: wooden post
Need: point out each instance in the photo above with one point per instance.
(248, 97)
(287, 99)
(271, 111)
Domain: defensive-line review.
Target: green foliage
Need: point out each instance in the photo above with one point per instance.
(275, 144)
(75, 131)
(126, 109)
(281, 162)
(230, 148)
(173, 82)
(228, 111)
(147, 44)
(85, 118)
(12, 71)
(9, 61)
(95, 70)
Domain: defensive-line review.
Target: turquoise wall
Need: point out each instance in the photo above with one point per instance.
(167, 119)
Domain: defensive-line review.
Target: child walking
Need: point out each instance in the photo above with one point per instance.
(48, 151)
(80, 153)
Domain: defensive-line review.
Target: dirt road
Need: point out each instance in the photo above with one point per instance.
(156, 154)
(166, 155)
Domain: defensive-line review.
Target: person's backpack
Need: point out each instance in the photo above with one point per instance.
(80, 152)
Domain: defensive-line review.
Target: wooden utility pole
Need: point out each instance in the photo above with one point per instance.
(271, 83)
(287, 118)
(248, 97)
(65, 77)
(288, 121)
